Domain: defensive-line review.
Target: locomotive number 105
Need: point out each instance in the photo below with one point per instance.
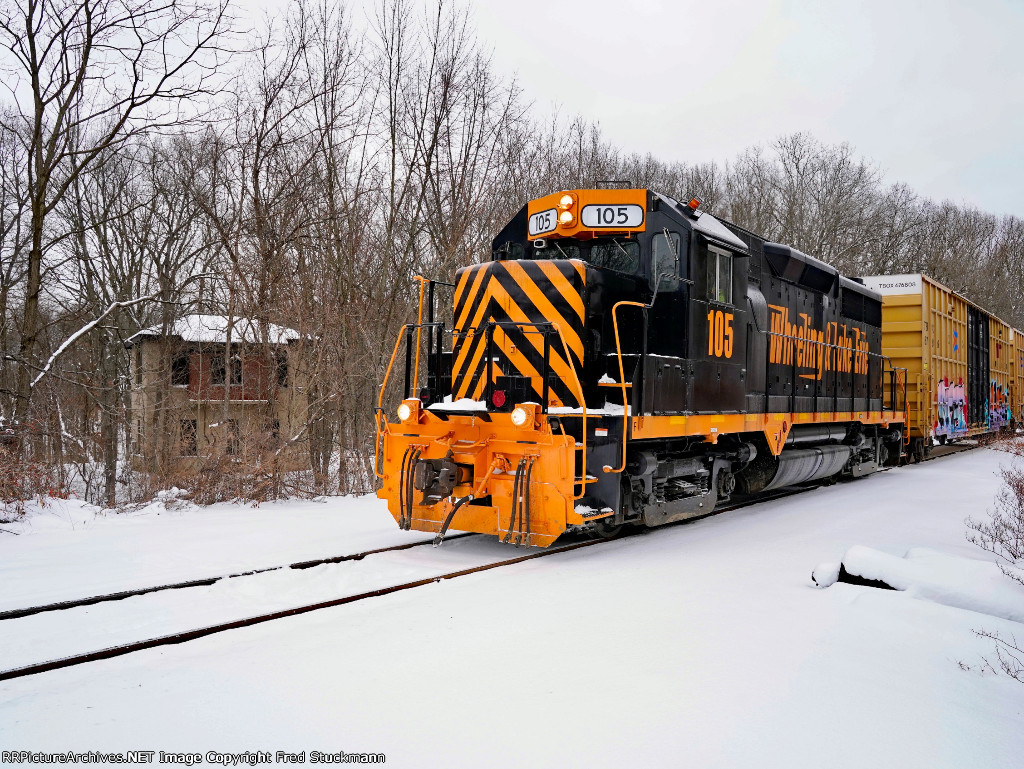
(720, 334)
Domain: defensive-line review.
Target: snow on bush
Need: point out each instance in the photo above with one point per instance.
(173, 499)
(965, 583)
(1002, 534)
(22, 480)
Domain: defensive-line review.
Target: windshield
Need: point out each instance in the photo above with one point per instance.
(617, 254)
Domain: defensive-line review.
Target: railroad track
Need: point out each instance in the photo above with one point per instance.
(196, 633)
(938, 452)
(207, 581)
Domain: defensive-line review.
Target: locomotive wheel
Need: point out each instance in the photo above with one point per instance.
(602, 529)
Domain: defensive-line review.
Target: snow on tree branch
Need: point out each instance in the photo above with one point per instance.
(86, 329)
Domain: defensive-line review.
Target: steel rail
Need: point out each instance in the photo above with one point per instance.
(190, 635)
(207, 581)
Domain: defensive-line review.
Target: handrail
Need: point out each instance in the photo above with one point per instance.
(419, 328)
(391, 363)
(622, 380)
(583, 405)
(575, 375)
(405, 332)
(378, 413)
(835, 371)
(380, 400)
(835, 395)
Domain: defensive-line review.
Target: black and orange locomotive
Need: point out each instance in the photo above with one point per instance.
(624, 357)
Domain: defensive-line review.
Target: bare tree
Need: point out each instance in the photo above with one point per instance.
(82, 78)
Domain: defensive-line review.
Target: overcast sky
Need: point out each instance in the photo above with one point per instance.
(930, 90)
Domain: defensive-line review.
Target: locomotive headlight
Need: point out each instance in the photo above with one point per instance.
(565, 202)
(519, 416)
(565, 218)
(404, 412)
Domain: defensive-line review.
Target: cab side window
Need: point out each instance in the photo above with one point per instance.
(664, 252)
(719, 275)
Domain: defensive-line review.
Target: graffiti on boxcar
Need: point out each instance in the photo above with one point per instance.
(999, 406)
(950, 409)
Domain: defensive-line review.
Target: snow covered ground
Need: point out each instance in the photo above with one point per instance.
(68, 549)
(703, 645)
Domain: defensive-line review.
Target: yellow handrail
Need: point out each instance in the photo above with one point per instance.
(572, 368)
(583, 405)
(377, 416)
(419, 330)
(622, 381)
(380, 402)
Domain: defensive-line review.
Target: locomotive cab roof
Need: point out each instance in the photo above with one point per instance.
(587, 214)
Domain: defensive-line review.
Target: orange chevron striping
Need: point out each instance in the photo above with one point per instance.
(569, 293)
(465, 379)
(480, 272)
(478, 320)
(463, 280)
(543, 304)
(524, 367)
(558, 364)
(516, 360)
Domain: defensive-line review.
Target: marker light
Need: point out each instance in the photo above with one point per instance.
(565, 202)
(404, 412)
(565, 218)
(498, 398)
(694, 203)
(519, 416)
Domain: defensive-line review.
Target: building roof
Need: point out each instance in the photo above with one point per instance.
(210, 329)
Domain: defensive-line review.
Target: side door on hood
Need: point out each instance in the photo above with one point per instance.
(719, 320)
(667, 370)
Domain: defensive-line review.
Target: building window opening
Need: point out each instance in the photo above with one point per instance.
(236, 369)
(180, 370)
(281, 360)
(217, 369)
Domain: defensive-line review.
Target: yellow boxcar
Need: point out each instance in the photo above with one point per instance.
(1002, 375)
(960, 360)
(1018, 386)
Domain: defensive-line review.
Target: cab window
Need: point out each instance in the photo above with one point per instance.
(664, 252)
(619, 254)
(616, 254)
(719, 275)
(556, 248)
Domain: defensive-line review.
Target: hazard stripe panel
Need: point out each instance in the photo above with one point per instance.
(524, 293)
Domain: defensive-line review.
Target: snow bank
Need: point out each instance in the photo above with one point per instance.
(49, 515)
(964, 583)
